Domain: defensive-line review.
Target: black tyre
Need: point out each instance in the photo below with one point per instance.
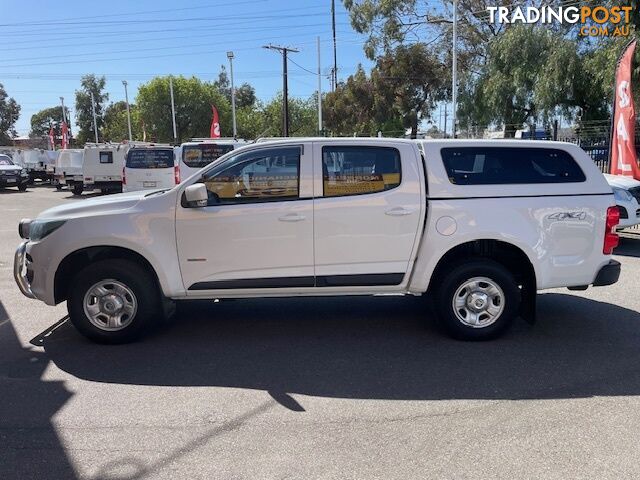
(114, 301)
(22, 187)
(78, 188)
(477, 300)
(58, 187)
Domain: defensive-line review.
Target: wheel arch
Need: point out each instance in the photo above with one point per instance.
(78, 259)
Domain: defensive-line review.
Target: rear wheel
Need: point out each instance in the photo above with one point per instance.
(78, 188)
(478, 300)
(114, 301)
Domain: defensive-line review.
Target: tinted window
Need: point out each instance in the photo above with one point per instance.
(198, 156)
(496, 165)
(5, 160)
(150, 158)
(106, 157)
(358, 170)
(265, 175)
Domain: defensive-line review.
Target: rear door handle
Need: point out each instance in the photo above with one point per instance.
(398, 211)
(292, 217)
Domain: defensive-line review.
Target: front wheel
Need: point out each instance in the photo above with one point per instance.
(478, 300)
(22, 187)
(114, 301)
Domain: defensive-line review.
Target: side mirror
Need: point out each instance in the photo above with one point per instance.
(196, 195)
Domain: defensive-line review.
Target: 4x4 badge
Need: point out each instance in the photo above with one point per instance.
(568, 216)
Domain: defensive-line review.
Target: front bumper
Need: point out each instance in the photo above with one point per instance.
(608, 275)
(21, 271)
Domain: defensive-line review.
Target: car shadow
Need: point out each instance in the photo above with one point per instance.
(370, 348)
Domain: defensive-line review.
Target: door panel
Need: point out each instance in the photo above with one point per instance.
(361, 234)
(257, 231)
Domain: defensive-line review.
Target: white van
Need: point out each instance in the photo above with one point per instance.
(149, 168)
(200, 152)
(102, 166)
(68, 170)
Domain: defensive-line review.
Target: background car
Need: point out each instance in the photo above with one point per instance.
(12, 175)
(626, 191)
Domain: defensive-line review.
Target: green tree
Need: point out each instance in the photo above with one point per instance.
(116, 128)
(303, 117)
(9, 113)
(245, 93)
(42, 121)
(193, 100)
(84, 113)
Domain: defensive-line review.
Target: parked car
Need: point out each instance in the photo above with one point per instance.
(102, 167)
(626, 191)
(150, 167)
(479, 225)
(68, 170)
(199, 153)
(12, 175)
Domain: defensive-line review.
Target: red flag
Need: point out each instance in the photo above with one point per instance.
(65, 135)
(215, 124)
(52, 138)
(624, 160)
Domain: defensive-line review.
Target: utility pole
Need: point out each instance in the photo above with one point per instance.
(233, 95)
(126, 98)
(319, 92)
(173, 111)
(334, 80)
(445, 121)
(285, 88)
(454, 66)
(95, 119)
(64, 113)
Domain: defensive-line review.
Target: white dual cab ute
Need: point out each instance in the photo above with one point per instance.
(478, 225)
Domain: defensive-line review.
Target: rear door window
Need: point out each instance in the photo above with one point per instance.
(198, 156)
(106, 157)
(510, 165)
(359, 170)
(150, 158)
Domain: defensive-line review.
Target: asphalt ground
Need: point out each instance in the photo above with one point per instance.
(320, 388)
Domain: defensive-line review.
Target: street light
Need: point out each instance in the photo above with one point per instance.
(233, 95)
(126, 97)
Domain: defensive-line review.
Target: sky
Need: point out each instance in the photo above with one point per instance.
(46, 46)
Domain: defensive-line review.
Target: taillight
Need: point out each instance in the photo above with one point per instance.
(611, 238)
(176, 174)
(124, 178)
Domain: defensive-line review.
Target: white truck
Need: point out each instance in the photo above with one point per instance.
(102, 167)
(67, 170)
(479, 225)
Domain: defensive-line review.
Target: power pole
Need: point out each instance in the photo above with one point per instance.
(95, 119)
(173, 111)
(233, 96)
(445, 121)
(64, 113)
(126, 98)
(285, 87)
(334, 80)
(454, 66)
(319, 92)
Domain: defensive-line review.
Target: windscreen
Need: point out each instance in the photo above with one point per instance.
(198, 156)
(150, 158)
(4, 160)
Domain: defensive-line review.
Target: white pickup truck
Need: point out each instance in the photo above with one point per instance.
(478, 225)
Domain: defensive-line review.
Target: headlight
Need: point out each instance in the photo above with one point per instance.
(622, 195)
(23, 227)
(38, 229)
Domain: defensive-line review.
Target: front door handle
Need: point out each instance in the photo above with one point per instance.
(399, 211)
(292, 217)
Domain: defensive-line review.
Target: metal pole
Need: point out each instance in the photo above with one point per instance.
(126, 97)
(285, 95)
(319, 92)
(233, 95)
(454, 83)
(173, 111)
(335, 57)
(95, 119)
(64, 114)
